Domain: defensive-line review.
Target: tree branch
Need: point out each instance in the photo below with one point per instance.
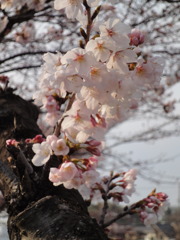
(20, 68)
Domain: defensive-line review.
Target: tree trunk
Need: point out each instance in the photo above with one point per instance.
(37, 210)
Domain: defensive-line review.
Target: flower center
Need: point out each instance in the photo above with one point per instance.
(110, 32)
(79, 58)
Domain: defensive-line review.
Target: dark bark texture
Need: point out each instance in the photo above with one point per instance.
(37, 210)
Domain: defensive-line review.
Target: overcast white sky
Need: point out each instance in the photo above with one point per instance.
(165, 148)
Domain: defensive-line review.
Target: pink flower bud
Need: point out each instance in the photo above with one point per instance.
(93, 143)
(143, 214)
(94, 151)
(153, 198)
(147, 200)
(11, 142)
(150, 205)
(59, 147)
(38, 139)
(136, 37)
(162, 196)
(66, 172)
(51, 138)
(98, 121)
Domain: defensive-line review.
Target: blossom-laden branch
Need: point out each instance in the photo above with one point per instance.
(119, 186)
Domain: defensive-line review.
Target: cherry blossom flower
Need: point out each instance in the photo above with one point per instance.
(54, 176)
(51, 138)
(84, 191)
(148, 218)
(70, 83)
(90, 178)
(116, 31)
(100, 48)
(52, 118)
(119, 60)
(76, 117)
(51, 61)
(91, 96)
(97, 80)
(148, 72)
(130, 175)
(65, 173)
(42, 153)
(72, 7)
(59, 147)
(78, 61)
(70, 177)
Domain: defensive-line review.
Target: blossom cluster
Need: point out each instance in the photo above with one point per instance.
(73, 172)
(85, 92)
(37, 139)
(106, 80)
(153, 207)
(127, 186)
(118, 186)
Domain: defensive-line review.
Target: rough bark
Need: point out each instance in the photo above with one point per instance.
(37, 210)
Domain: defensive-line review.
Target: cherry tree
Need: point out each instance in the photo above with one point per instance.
(85, 91)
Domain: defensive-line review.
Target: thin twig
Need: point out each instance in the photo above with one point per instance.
(105, 198)
(57, 130)
(129, 211)
(22, 54)
(89, 24)
(20, 68)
